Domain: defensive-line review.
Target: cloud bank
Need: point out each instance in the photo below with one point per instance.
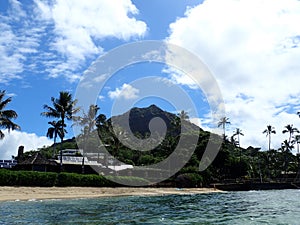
(253, 50)
(12, 140)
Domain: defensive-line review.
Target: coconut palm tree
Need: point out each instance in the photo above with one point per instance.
(88, 121)
(6, 115)
(297, 139)
(237, 133)
(286, 148)
(223, 122)
(291, 130)
(270, 130)
(63, 108)
(54, 131)
(183, 115)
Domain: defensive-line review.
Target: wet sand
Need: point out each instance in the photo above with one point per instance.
(31, 193)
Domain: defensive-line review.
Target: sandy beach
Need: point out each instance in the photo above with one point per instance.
(30, 193)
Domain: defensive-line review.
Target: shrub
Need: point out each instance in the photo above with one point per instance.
(27, 178)
(49, 179)
(189, 180)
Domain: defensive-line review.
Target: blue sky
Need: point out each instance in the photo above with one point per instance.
(251, 48)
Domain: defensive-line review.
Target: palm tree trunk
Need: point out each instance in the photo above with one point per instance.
(269, 142)
(53, 153)
(61, 148)
(61, 144)
(60, 154)
(83, 151)
(82, 169)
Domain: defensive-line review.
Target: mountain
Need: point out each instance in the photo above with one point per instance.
(139, 121)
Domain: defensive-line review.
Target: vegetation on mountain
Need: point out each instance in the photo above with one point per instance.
(232, 161)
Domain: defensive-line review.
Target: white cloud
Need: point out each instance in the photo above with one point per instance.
(12, 140)
(61, 34)
(179, 77)
(80, 26)
(19, 40)
(101, 97)
(253, 50)
(16, 10)
(126, 92)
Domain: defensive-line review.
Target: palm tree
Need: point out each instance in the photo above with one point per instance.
(297, 139)
(270, 130)
(286, 148)
(89, 121)
(237, 133)
(291, 130)
(63, 108)
(7, 115)
(54, 131)
(223, 122)
(183, 116)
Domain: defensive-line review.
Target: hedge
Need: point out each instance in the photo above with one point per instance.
(49, 179)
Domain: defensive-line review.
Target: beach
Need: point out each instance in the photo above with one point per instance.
(38, 193)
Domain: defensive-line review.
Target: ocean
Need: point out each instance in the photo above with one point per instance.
(253, 207)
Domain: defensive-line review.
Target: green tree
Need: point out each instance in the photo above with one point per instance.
(63, 108)
(54, 131)
(270, 130)
(297, 139)
(6, 115)
(286, 149)
(183, 116)
(237, 133)
(223, 122)
(291, 130)
(88, 121)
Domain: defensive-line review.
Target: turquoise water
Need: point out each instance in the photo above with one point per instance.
(256, 207)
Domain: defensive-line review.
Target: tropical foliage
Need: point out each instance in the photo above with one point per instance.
(64, 107)
(232, 162)
(6, 115)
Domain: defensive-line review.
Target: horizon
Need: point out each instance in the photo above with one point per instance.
(250, 47)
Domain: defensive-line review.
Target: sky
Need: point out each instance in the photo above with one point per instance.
(251, 47)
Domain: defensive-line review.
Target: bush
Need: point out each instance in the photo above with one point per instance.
(27, 178)
(49, 179)
(189, 180)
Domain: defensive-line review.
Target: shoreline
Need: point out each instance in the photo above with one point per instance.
(13, 193)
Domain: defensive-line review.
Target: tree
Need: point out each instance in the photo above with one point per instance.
(54, 131)
(270, 130)
(6, 115)
(63, 108)
(286, 148)
(291, 130)
(183, 116)
(223, 122)
(237, 133)
(88, 121)
(297, 139)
